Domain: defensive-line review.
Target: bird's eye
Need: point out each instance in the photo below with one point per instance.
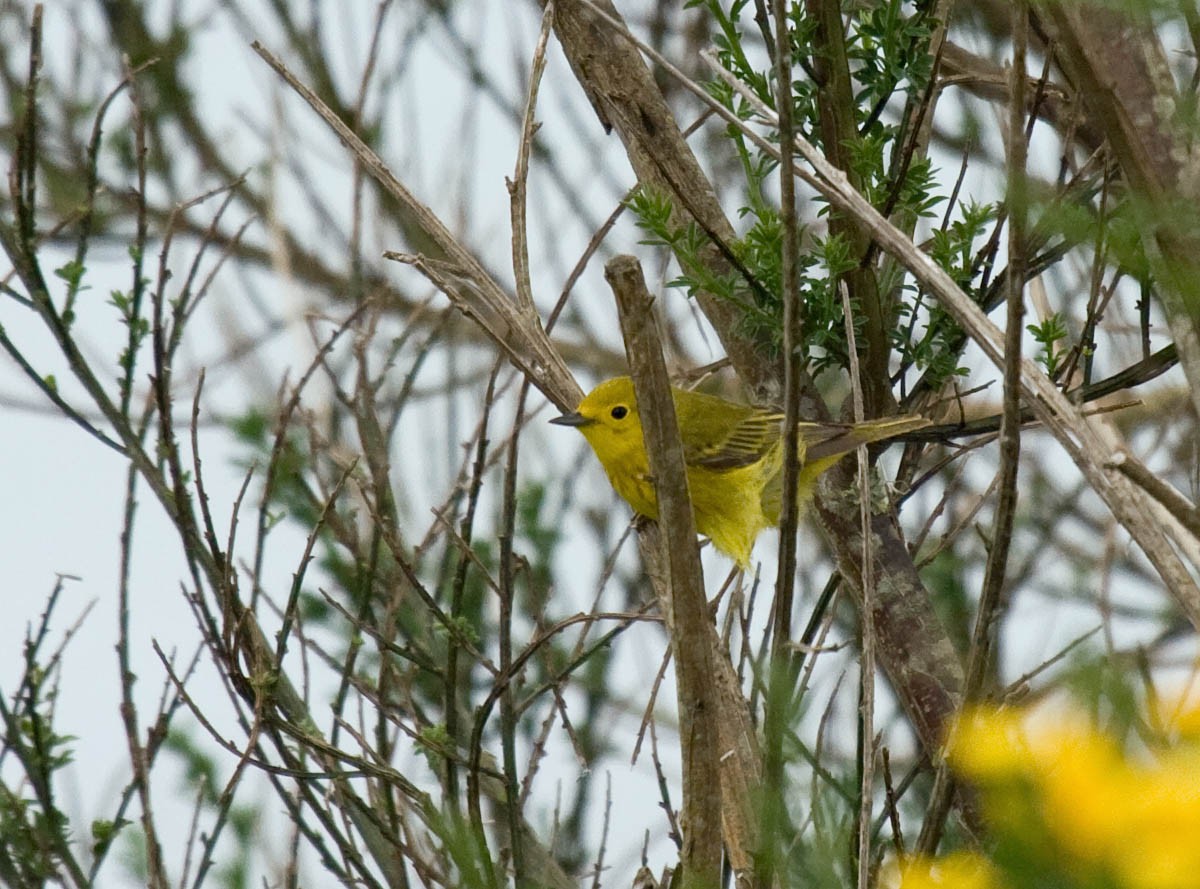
(619, 412)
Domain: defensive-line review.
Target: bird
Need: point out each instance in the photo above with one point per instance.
(733, 455)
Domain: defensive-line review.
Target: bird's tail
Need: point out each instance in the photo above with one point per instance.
(823, 445)
(832, 441)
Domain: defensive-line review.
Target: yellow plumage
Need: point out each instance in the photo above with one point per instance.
(733, 454)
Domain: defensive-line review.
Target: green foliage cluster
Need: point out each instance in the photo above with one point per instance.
(890, 63)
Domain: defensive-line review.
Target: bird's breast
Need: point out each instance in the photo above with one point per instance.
(630, 476)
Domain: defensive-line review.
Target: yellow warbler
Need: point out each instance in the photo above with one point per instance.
(733, 453)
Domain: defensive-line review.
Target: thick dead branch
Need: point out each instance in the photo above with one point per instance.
(622, 90)
(686, 610)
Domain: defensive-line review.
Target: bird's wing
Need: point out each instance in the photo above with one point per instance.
(744, 440)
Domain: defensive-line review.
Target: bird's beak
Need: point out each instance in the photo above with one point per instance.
(572, 419)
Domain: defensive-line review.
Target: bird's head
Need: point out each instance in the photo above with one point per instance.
(607, 417)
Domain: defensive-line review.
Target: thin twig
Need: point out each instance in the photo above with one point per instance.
(866, 616)
(687, 616)
(779, 676)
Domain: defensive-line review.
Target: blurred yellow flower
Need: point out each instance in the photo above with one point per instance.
(958, 870)
(1066, 794)
(1161, 823)
(988, 744)
(1083, 784)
